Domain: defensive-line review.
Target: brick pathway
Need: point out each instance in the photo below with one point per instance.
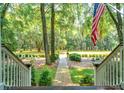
(63, 77)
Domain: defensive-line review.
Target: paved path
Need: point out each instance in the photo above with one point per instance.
(63, 77)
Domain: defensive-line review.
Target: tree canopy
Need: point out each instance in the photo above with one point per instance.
(22, 27)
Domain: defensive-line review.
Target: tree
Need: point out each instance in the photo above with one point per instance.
(72, 27)
(2, 15)
(45, 39)
(117, 21)
(52, 33)
(5, 6)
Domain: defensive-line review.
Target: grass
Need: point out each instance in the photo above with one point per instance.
(77, 74)
(39, 70)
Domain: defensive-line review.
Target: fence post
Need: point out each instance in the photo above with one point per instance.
(95, 73)
(122, 83)
(29, 76)
(1, 83)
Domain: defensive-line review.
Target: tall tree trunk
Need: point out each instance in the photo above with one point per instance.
(52, 33)
(3, 13)
(118, 22)
(2, 16)
(45, 39)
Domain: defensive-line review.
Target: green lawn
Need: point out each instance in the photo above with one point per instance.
(77, 74)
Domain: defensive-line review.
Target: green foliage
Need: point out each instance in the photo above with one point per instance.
(75, 57)
(38, 72)
(78, 74)
(42, 55)
(87, 79)
(95, 56)
(26, 55)
(45, 77)
(87, 72)
(33, 82)
(22, 29)
(84, 55)
(30, 55)
(54, 57)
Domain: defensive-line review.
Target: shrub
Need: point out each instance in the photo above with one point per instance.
(45, 78)
(33, 55)
(90, 55)
(26, 55)
(54, 57)
(75, 57)
(20, 55)
(97, 58)
(42, 55)
(29, 55)
(93, 55)
(83, 55)
(87, 79)
(33, 83)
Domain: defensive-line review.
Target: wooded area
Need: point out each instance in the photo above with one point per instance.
(55, 27)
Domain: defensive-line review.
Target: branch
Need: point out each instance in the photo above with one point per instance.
(119, 18)
(48, 8)
(112, 16)
(119, 26)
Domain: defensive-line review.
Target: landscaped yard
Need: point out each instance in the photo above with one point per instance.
(56, 43)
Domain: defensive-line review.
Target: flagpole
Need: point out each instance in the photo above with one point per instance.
(123, 26)
(114, 8)
(0, 55)
(122, 13)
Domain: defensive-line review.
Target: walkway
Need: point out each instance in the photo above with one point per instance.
(63, 77)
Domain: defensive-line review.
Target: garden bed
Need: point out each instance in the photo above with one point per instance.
(77, 74)
(37, 74)
(40, 68)
(85, 63)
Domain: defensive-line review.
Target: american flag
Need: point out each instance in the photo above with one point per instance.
(98, 11)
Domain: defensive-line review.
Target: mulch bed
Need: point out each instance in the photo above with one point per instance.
(85, 63)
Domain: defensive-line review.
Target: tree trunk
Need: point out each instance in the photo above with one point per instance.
(118, 22)
(45, 39)
(38, 46)
(52, 33)
(3, 14)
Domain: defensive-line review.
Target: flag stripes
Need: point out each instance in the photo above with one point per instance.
(98, 11)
